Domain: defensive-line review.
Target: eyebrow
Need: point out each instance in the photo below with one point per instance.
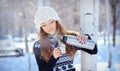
(43, 23)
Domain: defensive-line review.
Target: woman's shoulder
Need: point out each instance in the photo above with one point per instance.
(36, 47)
(36, 44)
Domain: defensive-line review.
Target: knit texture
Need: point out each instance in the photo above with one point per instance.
(43, 14)
(65, 62)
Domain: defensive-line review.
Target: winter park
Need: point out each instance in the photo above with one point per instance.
(100, 19)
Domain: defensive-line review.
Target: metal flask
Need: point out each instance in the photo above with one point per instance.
(72, 40)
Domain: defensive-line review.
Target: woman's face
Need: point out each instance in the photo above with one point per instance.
(49, 26)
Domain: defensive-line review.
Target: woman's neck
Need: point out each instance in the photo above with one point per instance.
(53, 35)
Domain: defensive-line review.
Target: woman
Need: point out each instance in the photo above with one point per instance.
(50, 52)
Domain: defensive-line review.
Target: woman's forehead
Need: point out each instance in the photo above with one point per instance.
(47, 21)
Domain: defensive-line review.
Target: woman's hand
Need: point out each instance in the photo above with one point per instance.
(56, 53)
(82, 38)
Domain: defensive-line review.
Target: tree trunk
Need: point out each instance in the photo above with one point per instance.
(108, 32)
(114, 29)
(113, 4)
(88, 24)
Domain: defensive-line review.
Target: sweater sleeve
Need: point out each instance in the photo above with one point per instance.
(94, 51)
(42, 64)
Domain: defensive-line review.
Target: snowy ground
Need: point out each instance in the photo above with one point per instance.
(28, 63)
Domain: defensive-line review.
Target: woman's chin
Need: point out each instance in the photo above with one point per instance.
(51, 33)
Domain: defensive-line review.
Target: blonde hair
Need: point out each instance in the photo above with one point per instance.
(46, 50)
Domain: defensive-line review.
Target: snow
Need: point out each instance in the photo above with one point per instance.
(28, 63)
(103, 56)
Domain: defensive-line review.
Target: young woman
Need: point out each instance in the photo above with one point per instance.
(50, 52)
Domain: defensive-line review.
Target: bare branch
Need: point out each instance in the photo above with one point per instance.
(31, 3)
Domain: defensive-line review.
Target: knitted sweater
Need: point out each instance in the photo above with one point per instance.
(63, 63)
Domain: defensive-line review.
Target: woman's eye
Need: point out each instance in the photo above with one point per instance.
(43, 25)
(51, 22)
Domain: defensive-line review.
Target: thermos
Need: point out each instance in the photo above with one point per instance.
(72, 40)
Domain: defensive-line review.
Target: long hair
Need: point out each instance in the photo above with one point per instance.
(45, 48)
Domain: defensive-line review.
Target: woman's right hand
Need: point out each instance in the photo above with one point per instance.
(56, 53)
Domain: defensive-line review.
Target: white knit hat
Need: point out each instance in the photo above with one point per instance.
(43, 14)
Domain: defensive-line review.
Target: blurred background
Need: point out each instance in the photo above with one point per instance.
(18, 32)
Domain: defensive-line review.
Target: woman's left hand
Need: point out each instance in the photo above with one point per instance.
(82, 38)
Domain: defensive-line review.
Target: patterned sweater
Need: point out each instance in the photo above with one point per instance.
(63, 63)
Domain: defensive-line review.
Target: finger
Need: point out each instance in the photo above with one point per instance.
(84, 39)
(58, 54)
(79, 38)
(59, 49)
(55, 49)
